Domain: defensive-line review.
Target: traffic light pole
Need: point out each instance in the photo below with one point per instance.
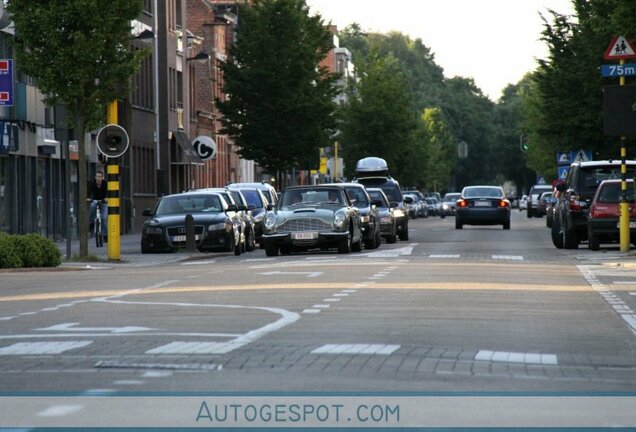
(112, 170)
(624, 204)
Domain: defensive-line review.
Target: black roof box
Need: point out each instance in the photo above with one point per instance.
(372, 167)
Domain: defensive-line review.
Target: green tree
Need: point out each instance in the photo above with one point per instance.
(440, 150)
(380, 120)
(79, 54)
(280, 109)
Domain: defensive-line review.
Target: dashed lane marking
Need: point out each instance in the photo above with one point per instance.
(60, 410)
(38, 348)
(444, 256)
(508, 257)
(311, 311)
(371, 349)
(516, 357)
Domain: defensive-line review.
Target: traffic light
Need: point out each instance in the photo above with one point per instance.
(522, 145)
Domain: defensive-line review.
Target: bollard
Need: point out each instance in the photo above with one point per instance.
(191, 243)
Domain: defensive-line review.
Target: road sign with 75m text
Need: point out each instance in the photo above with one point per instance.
(618, 70)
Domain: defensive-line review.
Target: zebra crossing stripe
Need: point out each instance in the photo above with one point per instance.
(37, 348)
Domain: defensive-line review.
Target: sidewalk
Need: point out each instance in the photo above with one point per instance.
(130, 254)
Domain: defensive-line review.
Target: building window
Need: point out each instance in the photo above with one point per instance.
(143, 163)
(147, 7)
(142, 95)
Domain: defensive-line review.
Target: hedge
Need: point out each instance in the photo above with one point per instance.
(29, 250)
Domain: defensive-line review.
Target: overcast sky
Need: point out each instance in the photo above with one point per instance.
(493, 41)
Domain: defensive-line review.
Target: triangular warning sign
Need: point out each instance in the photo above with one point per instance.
(620, 49)
(581, 157)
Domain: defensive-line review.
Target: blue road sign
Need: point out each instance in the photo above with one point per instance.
(562, 172)
(6, 82)
(563, 159)
(618, 70)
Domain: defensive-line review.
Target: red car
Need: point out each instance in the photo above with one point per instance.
(603, 218)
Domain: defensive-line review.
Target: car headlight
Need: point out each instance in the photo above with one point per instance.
(365, 219)
(270, 221)
(445, 206)
(154, 230)
(398, 213)
(339, 220)
(259, 218)
(216, 227)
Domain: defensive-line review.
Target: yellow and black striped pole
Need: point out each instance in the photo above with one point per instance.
(623, 221)
(112, 177)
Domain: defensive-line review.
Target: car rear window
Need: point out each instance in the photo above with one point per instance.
(591, 177)
(611, 192)
(483, 192)
(253, 198)
(189, 204)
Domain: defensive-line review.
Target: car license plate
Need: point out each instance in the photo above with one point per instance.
(482, 203)
(182, 238)
(305, 235)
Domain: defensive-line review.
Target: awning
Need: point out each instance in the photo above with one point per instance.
(187, 155)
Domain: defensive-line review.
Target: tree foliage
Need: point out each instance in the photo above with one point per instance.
(79, 54)
(280, 109)
(380, 120)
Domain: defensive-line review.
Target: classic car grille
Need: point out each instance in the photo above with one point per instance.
(305, 225)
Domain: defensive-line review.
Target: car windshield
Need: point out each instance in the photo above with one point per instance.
(238, 199)
(451, 197)
(611, 192)
(483, 192)
(294, 198)
(253, 198)
(357, 196)
(184, 204)
(591, 177)
(378, 196)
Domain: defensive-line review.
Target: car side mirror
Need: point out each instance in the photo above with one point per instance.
(394, 204)
(408, 200)
(377, 203)
(147, 213)
(242, 208)
(231, 208)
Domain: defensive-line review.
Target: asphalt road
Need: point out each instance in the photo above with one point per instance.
(475, 310)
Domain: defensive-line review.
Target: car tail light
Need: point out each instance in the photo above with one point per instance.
(462, 203)
(601, 212)
(503, 203)
(575, 204)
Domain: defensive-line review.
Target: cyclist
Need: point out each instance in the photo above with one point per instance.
(97, 196)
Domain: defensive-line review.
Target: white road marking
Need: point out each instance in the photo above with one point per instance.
(156, 374)
(371, 349)
(508, 257)
(516, 357)
(444, 256)
(624, 283)
(625, 312)
(341, 295)
(195, 263)
(332, 299)
(71, 327)
(388, 253)
(311, 311)
(36, 348)
(321, 306)
(60, 410)
(128, 382)
(197, 347)
(349, 291)
(307, 274)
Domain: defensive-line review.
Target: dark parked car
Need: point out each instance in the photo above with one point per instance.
(373, 172)
(388, 227)
(603, 218)
(258, 204)
(215, 228)
(308, 217)
(482, 205)
(542, 203)
(569, 226)
(370, 221)
(266, 188)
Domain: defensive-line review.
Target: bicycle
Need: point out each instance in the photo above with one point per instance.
(97, 225)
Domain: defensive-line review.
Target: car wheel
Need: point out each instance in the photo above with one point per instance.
(285, 251)
(570, 240)
(458, 223)
(270, 249)
(250, 241)
(145, 249)
(506, 225)
(593, 242)
(548, 220)
(404, 234)
(555, 231)
(442, 214)
(344, 245)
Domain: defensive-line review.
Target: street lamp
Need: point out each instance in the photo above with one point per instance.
(201, 57)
